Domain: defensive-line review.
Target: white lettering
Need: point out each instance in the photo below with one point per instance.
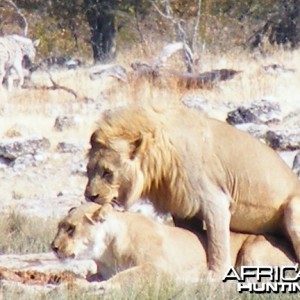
(265, 279)
(234, 276)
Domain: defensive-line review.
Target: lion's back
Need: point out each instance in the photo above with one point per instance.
(258, 181)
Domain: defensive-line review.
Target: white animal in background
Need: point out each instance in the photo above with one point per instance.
(13, 49)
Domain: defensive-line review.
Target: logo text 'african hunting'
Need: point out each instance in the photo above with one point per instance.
(265, 279)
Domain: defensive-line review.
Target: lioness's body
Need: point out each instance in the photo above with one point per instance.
(128, 245)
(191, 165)
(119, 241)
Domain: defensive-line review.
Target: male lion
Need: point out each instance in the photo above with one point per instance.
(193, 166)
(129, 247)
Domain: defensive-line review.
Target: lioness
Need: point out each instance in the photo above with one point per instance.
(127, 246)
(194, 166)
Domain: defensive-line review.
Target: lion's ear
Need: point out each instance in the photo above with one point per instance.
(96, 141)
(101, 213)
(71, 209)
(135, 147)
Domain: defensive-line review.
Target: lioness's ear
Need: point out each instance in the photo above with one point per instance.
(135, 147)
(71, 209)
(89, 218)
(101, 213)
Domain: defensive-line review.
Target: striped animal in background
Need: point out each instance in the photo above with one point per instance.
(13, 49)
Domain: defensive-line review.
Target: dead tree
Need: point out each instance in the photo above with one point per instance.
(189, 41)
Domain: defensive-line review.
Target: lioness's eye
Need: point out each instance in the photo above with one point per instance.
(70, 230)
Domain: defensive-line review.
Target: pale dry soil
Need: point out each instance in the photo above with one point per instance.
(57, 181)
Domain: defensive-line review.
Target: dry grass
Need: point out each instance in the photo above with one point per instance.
(161, 289)
(20, 234)
(252, 84)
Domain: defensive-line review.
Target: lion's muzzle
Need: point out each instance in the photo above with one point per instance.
(58, 253)
(89, 195)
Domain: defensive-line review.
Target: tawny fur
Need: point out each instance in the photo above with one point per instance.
(194, 166)
(128, 246)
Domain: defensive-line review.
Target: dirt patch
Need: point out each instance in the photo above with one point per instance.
(32, 277)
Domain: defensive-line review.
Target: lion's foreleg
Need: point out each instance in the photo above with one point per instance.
(216, 214)
(292, 223)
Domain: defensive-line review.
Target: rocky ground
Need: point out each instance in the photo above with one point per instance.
(43, 164)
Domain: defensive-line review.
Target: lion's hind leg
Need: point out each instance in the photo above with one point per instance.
(261, 250)
(292, 223)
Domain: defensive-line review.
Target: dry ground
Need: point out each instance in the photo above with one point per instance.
(48, 190)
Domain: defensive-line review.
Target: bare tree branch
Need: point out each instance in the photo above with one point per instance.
(178, 26)
(142, 38)
(19, 13)
(167, 6)
(55, 86)
(164, 15)
(167, 15)
(60, 87)
(189, 57)
(196, 26)
(166, 53)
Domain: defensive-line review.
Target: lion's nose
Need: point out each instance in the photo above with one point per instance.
(92, 198)
(89, 196)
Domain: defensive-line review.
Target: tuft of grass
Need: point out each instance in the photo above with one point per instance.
(20, 234)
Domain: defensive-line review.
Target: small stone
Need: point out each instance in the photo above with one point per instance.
(64, 122)
(260, 112)
(284, 140)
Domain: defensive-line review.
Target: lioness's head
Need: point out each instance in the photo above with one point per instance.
(83, 232)
(114, 169)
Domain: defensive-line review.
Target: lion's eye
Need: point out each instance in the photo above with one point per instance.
(107, 174)
(70, 230)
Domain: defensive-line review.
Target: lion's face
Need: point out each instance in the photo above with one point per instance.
(77, 231)
(112, 175)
